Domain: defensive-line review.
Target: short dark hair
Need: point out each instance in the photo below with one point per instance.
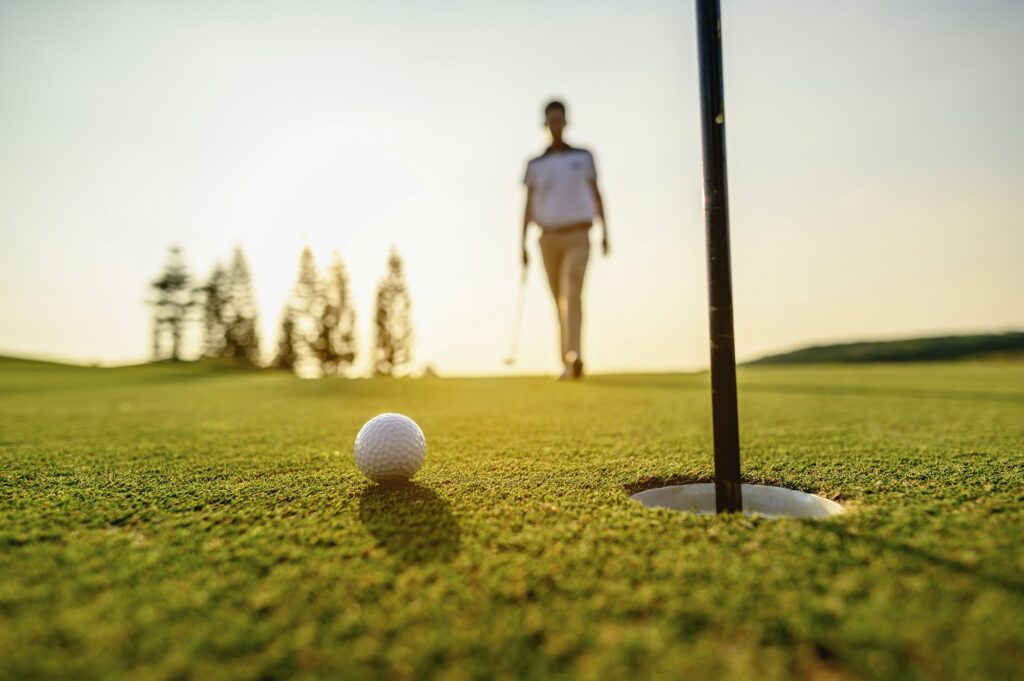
(555, 105)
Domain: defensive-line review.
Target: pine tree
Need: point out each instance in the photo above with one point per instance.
(216, 295)
(286, 357)
(241, 335)
(155, 329)
(335, 344)
(392, 321)
(172, 306)
(305, 305)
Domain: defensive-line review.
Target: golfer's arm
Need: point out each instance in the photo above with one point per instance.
(600, 207)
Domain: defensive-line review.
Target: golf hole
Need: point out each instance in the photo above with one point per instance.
(763, 500)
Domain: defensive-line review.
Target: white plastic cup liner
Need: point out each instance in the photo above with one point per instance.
(771, 502)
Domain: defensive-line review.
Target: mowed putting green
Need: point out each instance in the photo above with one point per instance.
(174, 522)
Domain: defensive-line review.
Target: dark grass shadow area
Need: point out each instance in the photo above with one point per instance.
(632, 488)
(410, 522)
(976, 572)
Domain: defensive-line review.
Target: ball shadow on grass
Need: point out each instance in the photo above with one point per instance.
(411, 522)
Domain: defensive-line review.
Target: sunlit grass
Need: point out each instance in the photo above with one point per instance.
(181, 522)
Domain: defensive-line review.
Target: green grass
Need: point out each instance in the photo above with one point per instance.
(173, 522)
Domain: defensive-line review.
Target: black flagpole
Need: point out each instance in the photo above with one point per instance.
(728, 493)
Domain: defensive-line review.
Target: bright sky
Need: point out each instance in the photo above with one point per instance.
(875, 158)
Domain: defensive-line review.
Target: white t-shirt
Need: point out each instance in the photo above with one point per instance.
(560, 181)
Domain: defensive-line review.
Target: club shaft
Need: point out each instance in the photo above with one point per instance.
(517, 323)
(728, 492)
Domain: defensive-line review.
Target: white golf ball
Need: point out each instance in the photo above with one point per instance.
(390, 447)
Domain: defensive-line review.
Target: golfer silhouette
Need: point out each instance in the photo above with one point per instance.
(562, 199)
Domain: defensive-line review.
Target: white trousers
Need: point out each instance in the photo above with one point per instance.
(565, 255)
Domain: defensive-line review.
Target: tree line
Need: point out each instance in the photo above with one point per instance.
(218, 319)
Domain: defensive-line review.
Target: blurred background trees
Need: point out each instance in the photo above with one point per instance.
(215, 295)
(241, 337)
(392, 321)
(335, 346)
(229, 313)
(218, 320)
(286, 356)
(172, 303)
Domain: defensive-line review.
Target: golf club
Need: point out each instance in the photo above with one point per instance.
(511, 359)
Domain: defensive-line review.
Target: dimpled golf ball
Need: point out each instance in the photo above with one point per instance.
(390, 447)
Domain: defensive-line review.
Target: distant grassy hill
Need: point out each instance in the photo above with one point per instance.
(12, 361)
(8, 363)
(935, 349)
